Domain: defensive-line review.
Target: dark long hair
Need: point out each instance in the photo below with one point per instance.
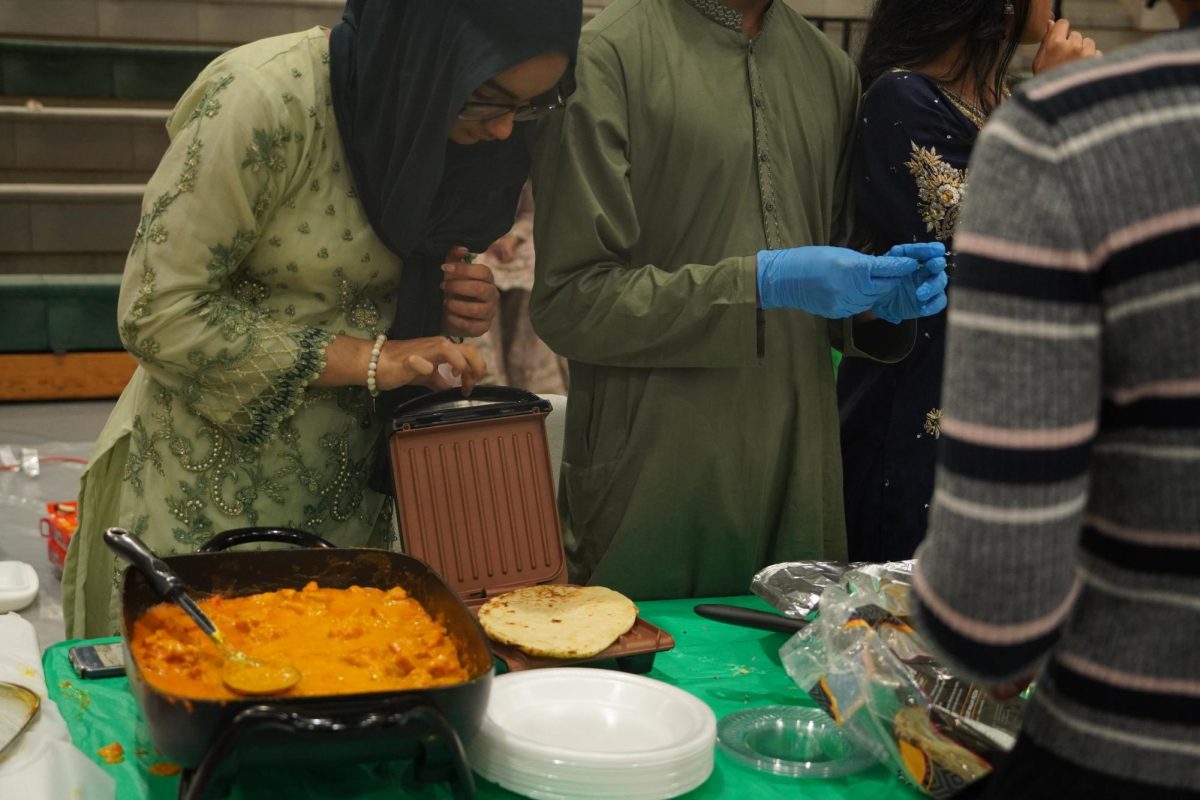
(909, 33)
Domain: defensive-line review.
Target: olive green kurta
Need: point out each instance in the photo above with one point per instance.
(252, 252)
(702, 435)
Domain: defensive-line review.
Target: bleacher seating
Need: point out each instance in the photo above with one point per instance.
(56, 313)
(198, 22)
(49, 228)
(80, 145)
(110, 71)
(85, 87)
(85, 90)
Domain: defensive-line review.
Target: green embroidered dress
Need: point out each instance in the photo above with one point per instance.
(252, 252)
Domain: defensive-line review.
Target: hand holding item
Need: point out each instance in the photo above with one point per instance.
(471, 296)
(921, 294)
(830, 282)
(1007, 691)
(504, 249)
(405, 361)
(1061, 46)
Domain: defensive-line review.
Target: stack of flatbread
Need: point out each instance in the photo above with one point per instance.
(558, 621)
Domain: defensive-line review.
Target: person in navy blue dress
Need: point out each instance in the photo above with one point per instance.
(934, 69)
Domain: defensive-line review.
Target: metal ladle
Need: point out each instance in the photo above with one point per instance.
(242, 673)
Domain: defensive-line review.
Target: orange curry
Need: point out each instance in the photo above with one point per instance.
(343, 641)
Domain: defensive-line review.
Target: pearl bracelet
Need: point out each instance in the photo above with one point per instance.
(373, 365)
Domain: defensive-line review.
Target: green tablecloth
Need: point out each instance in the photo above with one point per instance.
(728, 667)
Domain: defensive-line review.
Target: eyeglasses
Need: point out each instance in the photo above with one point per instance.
(480, 111)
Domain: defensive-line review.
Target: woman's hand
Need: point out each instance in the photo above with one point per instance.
(405, 361)
(471, 296)
(1061, 45)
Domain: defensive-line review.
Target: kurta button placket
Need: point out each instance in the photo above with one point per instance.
(680, 185)
(766, 189)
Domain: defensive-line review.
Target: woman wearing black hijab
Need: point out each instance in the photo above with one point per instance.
(314, 186)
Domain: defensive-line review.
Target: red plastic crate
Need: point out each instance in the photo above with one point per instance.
(57, 530)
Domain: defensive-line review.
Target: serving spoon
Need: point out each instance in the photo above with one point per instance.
(242, 673)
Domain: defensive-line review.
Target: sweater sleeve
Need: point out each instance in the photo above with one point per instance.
(997, 574)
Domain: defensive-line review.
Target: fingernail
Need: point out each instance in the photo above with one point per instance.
(447, 268)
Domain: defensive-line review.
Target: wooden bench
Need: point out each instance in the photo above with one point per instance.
(30, 68)
(60, 340)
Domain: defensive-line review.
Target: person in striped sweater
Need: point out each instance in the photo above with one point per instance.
(1064, 538)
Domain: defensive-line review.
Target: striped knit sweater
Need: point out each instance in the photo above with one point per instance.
(1065, 529)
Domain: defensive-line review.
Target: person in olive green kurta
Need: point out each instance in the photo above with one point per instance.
(257, 284)
(702, 435)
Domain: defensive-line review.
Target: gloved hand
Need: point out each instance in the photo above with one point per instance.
(921, 294)
(830, 282)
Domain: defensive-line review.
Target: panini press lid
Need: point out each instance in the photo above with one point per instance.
(500, 530)
(449, 406)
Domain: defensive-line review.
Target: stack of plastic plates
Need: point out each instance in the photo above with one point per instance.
(572, 733)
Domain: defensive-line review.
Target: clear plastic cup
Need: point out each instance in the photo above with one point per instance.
(794, 741)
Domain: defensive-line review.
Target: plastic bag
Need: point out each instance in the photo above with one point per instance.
(866, 666)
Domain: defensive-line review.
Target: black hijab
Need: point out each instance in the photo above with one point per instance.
(401, 71)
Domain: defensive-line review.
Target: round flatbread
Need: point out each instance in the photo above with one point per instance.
(558, 621)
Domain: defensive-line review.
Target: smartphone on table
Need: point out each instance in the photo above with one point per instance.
(98, 660)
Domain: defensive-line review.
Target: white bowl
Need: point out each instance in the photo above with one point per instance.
(18, 585)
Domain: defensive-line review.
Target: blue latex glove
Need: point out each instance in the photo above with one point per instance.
(830, 282)
(921, 294)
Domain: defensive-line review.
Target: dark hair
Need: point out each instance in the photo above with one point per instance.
(909, 33)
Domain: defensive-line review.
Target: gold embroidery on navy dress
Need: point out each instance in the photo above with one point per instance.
(933, 422)
(940, 190)
(968, 109)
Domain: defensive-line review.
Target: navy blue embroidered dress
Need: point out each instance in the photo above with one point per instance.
(911, 156)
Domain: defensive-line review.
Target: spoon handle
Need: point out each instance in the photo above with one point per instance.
(189, 607)
(129, 547)
(164, 580)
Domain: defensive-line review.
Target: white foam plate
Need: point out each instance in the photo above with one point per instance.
(594, 716)
(18, 585)
(570, 732)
